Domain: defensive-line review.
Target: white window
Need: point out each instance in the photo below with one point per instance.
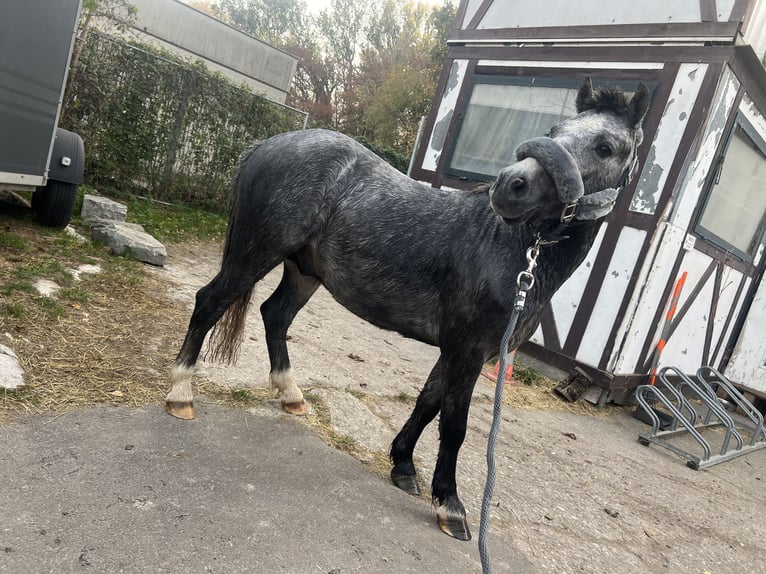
(734, 215)
(499, 117)
(504, 111)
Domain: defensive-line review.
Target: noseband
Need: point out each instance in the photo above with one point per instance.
(559, 164)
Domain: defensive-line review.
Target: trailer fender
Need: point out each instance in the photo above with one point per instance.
(68, 158)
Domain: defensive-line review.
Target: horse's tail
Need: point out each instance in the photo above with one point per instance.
(236, 195)
(227, 335)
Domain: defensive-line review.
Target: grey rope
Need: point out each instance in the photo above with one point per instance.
(524, 282)
(489, 485)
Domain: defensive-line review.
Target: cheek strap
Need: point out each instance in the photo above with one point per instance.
(596, 205)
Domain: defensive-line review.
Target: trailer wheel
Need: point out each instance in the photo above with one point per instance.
(54, 203)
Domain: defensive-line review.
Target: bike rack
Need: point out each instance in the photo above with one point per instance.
(685, 415)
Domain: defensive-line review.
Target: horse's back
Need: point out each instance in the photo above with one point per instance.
(380, 242)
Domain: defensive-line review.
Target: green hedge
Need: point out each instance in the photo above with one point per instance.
(396, 159)
(156, 125)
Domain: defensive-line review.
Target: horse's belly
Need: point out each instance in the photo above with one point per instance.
(415, 315)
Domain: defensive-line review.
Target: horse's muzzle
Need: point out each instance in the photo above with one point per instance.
(558, 163)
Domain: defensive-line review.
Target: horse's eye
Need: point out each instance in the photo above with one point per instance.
(604, 150)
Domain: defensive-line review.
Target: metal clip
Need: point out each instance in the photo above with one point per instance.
(532, 254)
(525, 280)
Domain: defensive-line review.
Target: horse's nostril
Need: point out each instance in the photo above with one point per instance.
(518, 185)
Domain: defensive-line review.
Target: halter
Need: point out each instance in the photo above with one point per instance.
(570, 211)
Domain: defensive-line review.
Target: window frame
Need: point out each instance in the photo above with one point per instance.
(524, 77)
(707, 236)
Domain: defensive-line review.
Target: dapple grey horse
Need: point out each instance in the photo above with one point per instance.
(437, 266)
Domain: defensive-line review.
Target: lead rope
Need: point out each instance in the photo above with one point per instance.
(525, 280)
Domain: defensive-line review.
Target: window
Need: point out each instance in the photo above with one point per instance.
(734, 215)
(500, 114)
(504, 111)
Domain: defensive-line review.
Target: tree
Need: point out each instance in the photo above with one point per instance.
(366, 68)
(399, 70)
(277, 22)
(341, 29)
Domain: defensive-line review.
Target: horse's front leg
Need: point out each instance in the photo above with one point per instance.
(426, 408)
(459, 374)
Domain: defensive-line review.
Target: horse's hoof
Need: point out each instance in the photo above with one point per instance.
(453, 523)
(406, 482)
(297, 408)
(180, 410)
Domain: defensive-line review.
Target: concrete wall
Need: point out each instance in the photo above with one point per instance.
(191, 33)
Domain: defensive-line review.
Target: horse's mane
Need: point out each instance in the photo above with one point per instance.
(608, 99)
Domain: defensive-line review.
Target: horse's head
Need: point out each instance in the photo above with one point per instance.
(584, 161)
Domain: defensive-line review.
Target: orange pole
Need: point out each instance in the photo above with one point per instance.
(666, 327)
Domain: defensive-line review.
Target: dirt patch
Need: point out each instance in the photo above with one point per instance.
(101, 338)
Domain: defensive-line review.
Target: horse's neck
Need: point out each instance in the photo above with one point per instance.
(557, 262)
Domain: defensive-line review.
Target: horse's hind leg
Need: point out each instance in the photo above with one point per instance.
(211, 303)
(278, 312)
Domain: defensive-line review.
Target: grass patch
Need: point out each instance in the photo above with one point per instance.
(75, 294)
(172, 223)
(42, 266)
(11, 288)
(526, 375)
(248, 398)
(52, 308)
(240, 395)
(12, 310)
(357, 394)
(12, 242)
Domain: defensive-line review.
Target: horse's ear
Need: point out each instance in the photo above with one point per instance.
(584, 99)
(639, 104)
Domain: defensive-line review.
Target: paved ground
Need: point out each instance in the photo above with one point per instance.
(133, 490)
(127, 490)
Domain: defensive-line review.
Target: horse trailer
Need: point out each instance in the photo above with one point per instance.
(36, 42)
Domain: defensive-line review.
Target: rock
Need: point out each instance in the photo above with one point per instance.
(131, 240)
(96, 209)
(85, 269)
(69, 230)
(46, 287)
(350, 417)
(11, 373)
